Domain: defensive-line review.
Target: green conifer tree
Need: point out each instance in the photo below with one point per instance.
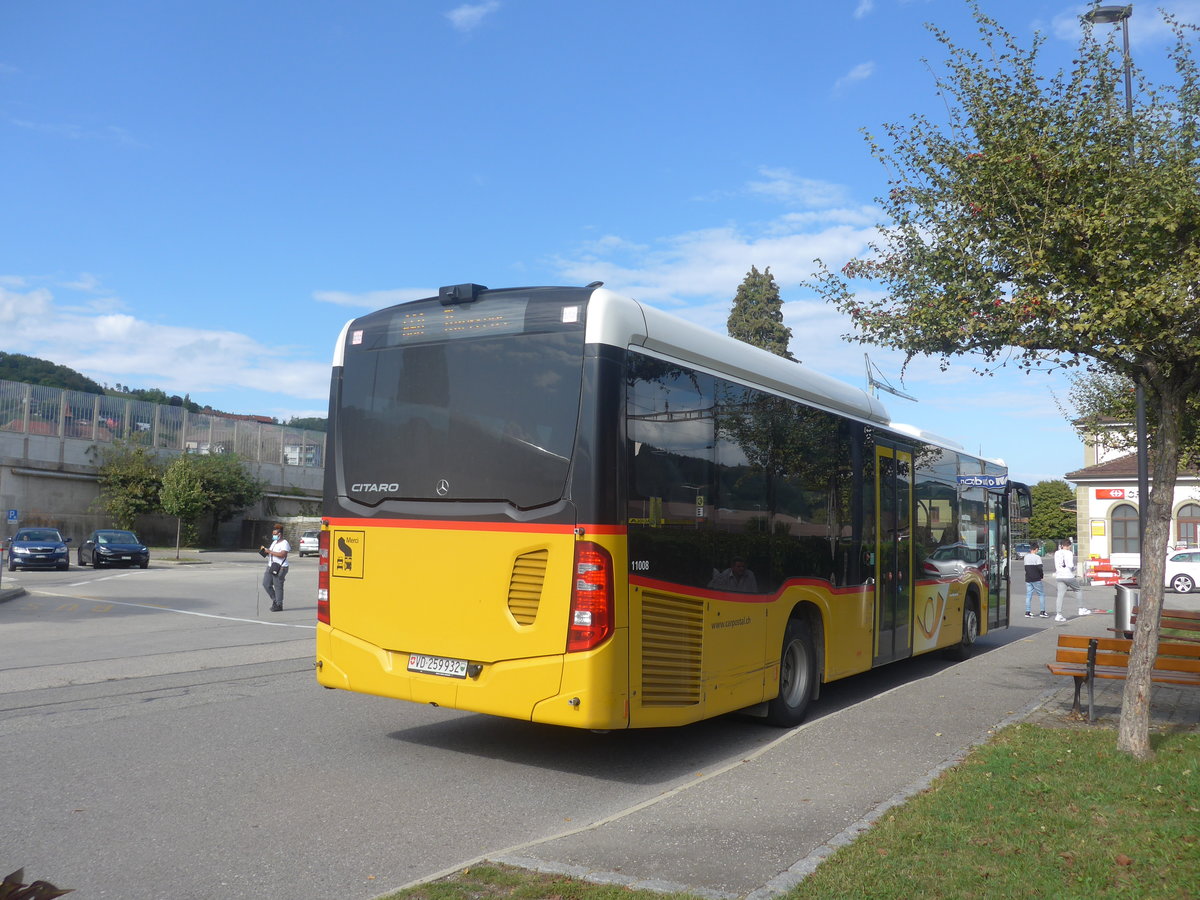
(757, 314)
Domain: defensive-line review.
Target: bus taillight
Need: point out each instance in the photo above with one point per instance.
(323, 578)
(591, 598)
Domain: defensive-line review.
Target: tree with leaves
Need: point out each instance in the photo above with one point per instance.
(32, 370)
(227, 485)
(130, 477)
(183, 495)
(1049, 520)
(1044, 225)
(1103, 400)
(757, 314)
(312, 423)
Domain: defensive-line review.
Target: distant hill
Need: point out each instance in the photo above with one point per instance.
(31, 370)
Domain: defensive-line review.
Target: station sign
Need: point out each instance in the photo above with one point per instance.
(1129, 493)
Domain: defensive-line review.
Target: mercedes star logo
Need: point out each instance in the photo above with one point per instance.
(443, 487)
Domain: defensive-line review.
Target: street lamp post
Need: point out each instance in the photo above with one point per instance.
(1111, 15)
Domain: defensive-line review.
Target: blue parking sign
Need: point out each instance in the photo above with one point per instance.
(12, 517)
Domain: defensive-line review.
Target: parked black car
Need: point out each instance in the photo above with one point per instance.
(38, 548)
(109, 547)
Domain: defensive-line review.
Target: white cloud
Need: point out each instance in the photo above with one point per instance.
(119, 347)
(113, 134)
(470, 15)
(861, 72)
(785, 186)
(696, 273)
(85, 282)
(864, 8)
(18, 307)
(373, 299)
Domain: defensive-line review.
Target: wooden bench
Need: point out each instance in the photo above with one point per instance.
(1087, 658)
(1178, 619)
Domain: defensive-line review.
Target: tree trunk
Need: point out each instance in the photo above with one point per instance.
(178, 528)
(1133, 733)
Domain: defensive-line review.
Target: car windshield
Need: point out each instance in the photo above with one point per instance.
(39, 534)
(116, 537)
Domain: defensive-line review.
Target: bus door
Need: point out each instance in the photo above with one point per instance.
(893, 552)
(997, 557)
(1016, 506)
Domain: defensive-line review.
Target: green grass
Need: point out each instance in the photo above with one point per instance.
(494, 882)
(1036, 812)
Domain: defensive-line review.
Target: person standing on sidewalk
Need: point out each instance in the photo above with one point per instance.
(277, 567)
(1033, 581)
(1064, 573)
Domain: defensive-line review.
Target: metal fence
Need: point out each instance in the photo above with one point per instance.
(99, 418)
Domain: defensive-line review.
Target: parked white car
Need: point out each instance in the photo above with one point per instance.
(309, 543)
(1183, 571)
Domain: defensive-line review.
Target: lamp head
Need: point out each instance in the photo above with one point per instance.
(1107, 15)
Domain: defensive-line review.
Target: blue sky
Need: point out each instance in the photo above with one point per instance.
(196, 196)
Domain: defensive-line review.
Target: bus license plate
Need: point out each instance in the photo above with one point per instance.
(437, 665)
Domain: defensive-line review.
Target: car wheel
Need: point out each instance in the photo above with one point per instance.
(66, 564)
(145, 564)
(12, 566)
(1183, 584)
(95, 561)
(797, 669)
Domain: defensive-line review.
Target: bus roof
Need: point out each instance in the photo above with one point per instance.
(621, 321)
(624, 322)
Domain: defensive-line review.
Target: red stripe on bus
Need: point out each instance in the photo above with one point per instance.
(734, 597)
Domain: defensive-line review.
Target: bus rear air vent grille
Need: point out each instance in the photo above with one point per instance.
(525, 585)
(672, 639)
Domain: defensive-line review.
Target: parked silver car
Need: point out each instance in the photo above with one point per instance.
(310, 542)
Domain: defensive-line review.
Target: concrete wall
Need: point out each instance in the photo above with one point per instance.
(53, 481)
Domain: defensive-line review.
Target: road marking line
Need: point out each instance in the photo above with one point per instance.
(183, 612)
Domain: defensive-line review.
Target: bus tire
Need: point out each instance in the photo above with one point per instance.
(970, 631)
(797, 669)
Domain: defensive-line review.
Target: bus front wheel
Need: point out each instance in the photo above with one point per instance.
(797, 668)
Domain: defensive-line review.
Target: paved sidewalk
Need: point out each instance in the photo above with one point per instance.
(758, 827)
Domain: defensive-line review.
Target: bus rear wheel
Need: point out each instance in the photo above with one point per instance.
(970, 631)
(797, 669)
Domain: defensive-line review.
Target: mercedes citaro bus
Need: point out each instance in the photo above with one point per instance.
(561, 505)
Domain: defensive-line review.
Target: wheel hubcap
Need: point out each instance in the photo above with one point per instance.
(795, 673)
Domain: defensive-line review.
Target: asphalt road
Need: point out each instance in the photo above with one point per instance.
(163, 736)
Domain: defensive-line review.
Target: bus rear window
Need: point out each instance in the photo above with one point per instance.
(489, 418)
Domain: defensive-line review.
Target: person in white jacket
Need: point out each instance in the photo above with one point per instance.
(1064, 571)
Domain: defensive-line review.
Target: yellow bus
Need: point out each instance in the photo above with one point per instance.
(561, 505)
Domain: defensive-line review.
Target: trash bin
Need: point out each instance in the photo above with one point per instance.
(1127, 598)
